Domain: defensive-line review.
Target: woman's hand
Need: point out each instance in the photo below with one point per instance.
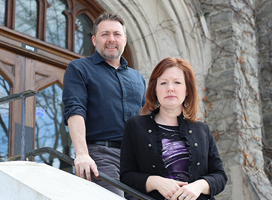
(192, 191)
(166, 187)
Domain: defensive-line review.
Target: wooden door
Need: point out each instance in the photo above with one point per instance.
(23, 73)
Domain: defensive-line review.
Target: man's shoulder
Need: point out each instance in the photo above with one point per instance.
(81, 64)
(82, 60)
(133, 70)
(135, 73)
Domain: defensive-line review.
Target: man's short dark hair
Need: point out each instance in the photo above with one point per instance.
(108, 16)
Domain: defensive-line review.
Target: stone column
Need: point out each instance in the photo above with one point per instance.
(264, 33)
(233, 101)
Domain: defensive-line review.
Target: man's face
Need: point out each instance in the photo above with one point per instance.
(110, 40)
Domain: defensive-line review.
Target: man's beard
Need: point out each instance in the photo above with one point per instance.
(106, 56)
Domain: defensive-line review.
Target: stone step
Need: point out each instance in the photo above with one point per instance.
(26, 180)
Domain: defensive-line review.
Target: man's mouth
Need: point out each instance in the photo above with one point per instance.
(111, 47)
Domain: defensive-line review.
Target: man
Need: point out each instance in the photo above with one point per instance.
(100, 93)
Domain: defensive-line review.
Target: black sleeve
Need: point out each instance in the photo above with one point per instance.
(129, 167)
(216, 176)
(74, 94)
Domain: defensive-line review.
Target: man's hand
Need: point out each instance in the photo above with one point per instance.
(84, 163)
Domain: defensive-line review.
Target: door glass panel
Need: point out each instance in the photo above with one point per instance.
(2, 12)
(50, 129)
(83, 37)
(26, 17)
(56, 23)
(4, 120)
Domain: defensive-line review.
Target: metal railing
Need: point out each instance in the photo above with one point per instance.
(70, 160)
(23, 96)
(65, 158)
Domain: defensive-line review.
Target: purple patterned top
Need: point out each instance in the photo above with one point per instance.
(174, 153)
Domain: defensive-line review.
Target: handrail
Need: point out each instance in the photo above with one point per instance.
(70, 160)
(20, 95)
(13, 97)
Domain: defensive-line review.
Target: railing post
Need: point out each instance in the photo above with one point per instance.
(23, 129)
(22, 95)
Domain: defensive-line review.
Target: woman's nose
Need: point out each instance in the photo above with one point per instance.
(170, 87)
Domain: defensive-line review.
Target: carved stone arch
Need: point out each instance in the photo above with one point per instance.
(155, 31)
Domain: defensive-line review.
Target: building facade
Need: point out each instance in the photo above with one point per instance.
(227, 42)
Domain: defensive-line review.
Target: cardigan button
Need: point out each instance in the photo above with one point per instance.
(151, 117)
(198, 163)
(183, 117)
(153, 166)
(190, 131)
(196, 144)
(149, 131)
(149, 145)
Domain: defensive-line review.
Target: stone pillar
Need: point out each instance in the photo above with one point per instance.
(233, 101)
(264, 33)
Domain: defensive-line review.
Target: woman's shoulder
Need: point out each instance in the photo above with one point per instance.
(139, 122)
(137, 118)
(200, 125)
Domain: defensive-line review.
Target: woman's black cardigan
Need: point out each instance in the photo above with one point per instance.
(141, 154)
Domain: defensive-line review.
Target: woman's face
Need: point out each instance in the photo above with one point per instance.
(171, 89)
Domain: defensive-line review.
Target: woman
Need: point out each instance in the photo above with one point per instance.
(165, 151)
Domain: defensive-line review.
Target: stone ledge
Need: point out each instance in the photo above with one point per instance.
(29, 180)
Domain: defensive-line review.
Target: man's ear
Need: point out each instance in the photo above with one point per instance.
(93, 40)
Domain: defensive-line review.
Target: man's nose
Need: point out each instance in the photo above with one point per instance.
(111, 37)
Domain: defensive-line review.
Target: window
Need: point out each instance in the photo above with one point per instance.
(56, 23)
(26, 17)
(2, 11)
(4, 120)
(83, 36)
(64, 23)
(50, 129)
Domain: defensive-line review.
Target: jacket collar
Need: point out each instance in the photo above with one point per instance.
(180, 118)
(97, 59)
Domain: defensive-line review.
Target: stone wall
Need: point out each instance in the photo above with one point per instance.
(233, 99)
(264, 33)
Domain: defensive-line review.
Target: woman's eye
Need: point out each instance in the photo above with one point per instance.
(163, 83)
(177, 82)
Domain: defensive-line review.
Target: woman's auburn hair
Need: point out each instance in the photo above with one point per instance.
(192, 97)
